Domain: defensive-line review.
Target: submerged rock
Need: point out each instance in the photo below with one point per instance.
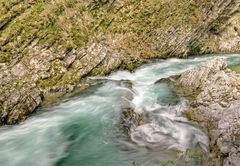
(130, 120)
(217, 105)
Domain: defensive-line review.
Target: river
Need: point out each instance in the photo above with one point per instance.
(84, 130)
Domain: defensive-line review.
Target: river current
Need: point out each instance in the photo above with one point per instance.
(84, 130)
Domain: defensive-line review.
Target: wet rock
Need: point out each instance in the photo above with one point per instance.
(129, 118)
(169, 80)
(217, 104)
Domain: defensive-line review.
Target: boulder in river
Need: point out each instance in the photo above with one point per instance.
(216, 105)
(129, 119)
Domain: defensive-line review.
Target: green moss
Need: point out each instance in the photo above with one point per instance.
(70, 81)
(19, 85)
(196, 48)
(69, 78)
(55, 76)
(168, 163)
(36, 23)
(50, 82)
(79, 36)
(135, 163)
(100, 71)
(140, 23)
(4, 57)
(130, 64)
(39, 7)
(191, 115)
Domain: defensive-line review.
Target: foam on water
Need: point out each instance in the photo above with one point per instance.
(85, 129)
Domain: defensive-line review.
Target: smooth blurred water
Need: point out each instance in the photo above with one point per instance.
(84, 131)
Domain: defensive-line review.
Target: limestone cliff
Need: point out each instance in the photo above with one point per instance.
(49, 46)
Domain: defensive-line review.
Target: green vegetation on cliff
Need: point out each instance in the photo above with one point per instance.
(63, 25)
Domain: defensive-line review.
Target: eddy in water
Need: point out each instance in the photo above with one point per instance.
(85, 130)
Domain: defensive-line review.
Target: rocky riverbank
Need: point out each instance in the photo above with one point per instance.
(49, 47)
(215, 106)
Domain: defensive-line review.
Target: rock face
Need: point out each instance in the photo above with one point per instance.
(217, 106)
(49, 46)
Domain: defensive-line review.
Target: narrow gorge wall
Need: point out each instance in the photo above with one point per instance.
(49, 46)
(222, 33)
